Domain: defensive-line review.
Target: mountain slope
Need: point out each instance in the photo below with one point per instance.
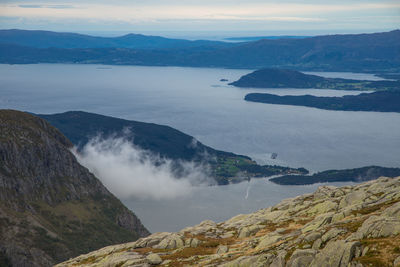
(334, 227)
(52, 208)
(81, 126)
(165, 141)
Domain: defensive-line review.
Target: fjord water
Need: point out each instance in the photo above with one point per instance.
(195, 101)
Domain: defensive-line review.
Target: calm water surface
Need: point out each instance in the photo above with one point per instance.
(194, 101)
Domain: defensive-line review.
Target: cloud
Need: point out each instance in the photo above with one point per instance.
(30, 6)
(46, 6)
(234, 15)
(130, 172)
(60, 6)
(140, 11)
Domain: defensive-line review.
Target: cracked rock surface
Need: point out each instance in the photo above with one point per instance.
(334, 226)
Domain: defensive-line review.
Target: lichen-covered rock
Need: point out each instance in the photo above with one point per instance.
(312, 237)
(332, 233)
(323, 207)
(268, 240)
(319, 221)
(336, 254)
(151, 240)
(317, 244)
(396, 262)
(302, 257)
(201, 228)
(154, 259)
(376, 226)
(301, 231)
(250, 261)
(393, 211)
(171, 241)
(279, 260)
(326, 192)
(222, 249)
(249, 230)
(356, 197)
(192, 242)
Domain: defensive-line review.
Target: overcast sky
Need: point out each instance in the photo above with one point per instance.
(254, 16)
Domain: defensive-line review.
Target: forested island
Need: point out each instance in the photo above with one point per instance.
(348, 175)
(284, 78)
(377, 101)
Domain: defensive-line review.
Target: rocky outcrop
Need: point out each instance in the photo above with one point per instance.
(333, 227)
(52, 208)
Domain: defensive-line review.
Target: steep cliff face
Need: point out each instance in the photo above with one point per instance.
(349, 226)
(52, 208)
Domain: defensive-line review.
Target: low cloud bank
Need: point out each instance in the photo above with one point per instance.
(131, 172)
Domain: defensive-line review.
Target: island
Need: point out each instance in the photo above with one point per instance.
(284, 78)
(349, 175)
(388, 101)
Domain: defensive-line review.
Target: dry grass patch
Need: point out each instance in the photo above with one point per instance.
(147, 250)
(289, 226)
(88, 260)
(382, 251)
(352, 226)
(289, 253)
(211, 241)
(189, 252)
(208, 246)
(374, 208)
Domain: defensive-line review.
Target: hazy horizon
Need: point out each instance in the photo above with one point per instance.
(231, 18)
(208, 35)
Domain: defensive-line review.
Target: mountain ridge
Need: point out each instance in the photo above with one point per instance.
(50, 39)
(352, 52)
(51, 207)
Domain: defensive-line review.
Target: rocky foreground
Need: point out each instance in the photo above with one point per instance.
(347, 226)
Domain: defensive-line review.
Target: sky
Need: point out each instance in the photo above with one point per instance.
(232, 17)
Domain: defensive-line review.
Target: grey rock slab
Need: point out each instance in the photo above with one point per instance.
(154, 259)
(301, 258)
(336, 254)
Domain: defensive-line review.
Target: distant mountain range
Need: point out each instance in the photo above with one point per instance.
(256, 38)
(48, 39)
(348, 52)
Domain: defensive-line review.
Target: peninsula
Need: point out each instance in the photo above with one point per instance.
(377, 101)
